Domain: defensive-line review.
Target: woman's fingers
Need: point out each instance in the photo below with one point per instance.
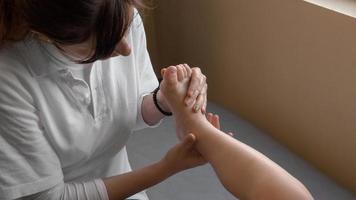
(196, 86)
(201, 101)
(184, 69)
(214, 120)
(209, 117)
(180, 72)
(203, 109)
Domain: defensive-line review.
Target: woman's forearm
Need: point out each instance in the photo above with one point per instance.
(150, 114)
(125, 185)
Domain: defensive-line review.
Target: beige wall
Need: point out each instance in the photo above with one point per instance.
(287, 66)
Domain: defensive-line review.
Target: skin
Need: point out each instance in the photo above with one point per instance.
(243, 171)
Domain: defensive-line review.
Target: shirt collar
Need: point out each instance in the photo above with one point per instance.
(45, 58)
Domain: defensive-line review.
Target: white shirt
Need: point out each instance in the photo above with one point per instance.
(47, 134)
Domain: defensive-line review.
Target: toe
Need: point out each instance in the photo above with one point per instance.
(163, 71)
(180, 72)
(189, 71)
(170, 75)
(185, 72)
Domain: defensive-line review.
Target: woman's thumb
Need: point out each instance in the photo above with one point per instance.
(189, 141)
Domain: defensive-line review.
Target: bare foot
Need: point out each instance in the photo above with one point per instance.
(174, 88)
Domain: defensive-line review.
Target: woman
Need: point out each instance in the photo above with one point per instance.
(68, 101)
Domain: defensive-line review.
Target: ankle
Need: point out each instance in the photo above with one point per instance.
(196, 122)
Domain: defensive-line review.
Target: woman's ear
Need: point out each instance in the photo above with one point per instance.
(40, 36)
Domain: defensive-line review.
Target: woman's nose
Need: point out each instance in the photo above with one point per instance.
(123, 48)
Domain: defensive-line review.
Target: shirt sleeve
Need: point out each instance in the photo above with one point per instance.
(147, 77)
(28, 164)
(91, 190)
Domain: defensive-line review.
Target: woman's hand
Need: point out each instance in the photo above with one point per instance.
(215, 121)
(196, 96)
(183, 156)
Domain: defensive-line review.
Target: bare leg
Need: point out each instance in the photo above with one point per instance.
(243, 171)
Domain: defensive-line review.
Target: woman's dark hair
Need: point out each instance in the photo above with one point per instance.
(68, 22)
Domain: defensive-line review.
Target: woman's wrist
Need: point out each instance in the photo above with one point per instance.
(162, 101)
(166, 168)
